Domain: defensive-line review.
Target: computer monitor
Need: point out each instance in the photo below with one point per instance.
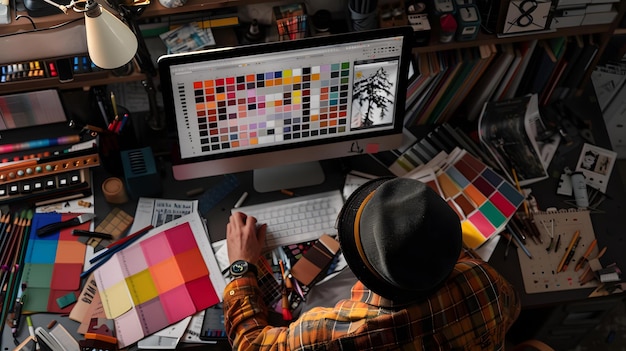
(287, 104)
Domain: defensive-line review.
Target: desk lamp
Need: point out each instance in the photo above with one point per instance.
(110, 42)
(129, 10)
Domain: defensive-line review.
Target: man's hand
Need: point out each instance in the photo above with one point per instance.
(243, 239)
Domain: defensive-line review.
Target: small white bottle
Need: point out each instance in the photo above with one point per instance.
(580, 189)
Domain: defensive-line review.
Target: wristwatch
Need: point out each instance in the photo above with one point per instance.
(241, 267)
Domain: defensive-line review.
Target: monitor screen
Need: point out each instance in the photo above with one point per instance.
(286, 102)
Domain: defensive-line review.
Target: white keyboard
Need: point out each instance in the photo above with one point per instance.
(297, 219)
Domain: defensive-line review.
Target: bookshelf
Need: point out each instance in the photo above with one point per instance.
(601, 34)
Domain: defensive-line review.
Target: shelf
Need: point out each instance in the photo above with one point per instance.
(80, 81)
(155, 9)
(488, 39)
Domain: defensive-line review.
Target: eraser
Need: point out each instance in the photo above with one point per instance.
(66, 300)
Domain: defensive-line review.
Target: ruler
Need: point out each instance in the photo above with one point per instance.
(217, 193)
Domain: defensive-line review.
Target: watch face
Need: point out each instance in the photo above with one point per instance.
(238, 267)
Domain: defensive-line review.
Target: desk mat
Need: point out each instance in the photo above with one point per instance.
(539, 273)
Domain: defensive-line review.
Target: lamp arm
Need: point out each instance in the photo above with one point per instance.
(59, 6)
(156, 119)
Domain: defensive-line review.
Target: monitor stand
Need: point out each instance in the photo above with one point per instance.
(288, 176)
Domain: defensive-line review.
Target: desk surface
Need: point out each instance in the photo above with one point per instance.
(608, 225)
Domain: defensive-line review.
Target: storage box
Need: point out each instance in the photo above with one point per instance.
(566, 21)
(599, 18)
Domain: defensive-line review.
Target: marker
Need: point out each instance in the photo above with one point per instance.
(31, 331)
(241, 200)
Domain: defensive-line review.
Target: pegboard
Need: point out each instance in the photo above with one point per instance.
(539, 273)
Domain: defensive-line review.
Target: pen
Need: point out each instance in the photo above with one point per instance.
(87, 233)
(571, 254)
(120, 242)
(17, 316)
(241, 200)
(519, 243)
(558, 243)
(567, 251)
(104, 257)
(585, 256)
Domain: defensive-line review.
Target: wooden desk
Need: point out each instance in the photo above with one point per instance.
(608, 226)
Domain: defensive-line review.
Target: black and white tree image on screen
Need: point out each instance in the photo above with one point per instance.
(372, 95)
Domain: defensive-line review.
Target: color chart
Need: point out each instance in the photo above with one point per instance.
(159, 280)
(482, 198)
(255, 109)
(52, 265)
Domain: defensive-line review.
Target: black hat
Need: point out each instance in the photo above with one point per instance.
(399, 237)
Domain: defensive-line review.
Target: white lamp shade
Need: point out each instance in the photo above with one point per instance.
(110, 42)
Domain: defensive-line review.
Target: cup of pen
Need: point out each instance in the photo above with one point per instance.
(363, 14)
(118, 136)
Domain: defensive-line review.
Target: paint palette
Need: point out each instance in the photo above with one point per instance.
(159, 280)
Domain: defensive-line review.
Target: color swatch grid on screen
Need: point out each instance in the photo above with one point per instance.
(52, 264)
(482, 198)
(254, 109)
(158, 281)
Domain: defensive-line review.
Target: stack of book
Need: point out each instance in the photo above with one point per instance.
(455, 84)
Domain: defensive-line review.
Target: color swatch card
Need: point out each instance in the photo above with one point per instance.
(482, 198)
(52, 265)
(166, 276)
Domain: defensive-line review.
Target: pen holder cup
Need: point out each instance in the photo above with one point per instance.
(114, 140)
(363, 21)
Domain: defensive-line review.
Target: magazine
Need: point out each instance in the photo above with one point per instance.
(514, 134)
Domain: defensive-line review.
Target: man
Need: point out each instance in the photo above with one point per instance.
(415, 288)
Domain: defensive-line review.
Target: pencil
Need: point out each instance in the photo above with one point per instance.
(567, 251)
(585, 256)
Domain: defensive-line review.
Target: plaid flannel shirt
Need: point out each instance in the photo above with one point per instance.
(472, 311)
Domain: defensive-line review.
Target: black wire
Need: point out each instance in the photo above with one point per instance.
(36, 30)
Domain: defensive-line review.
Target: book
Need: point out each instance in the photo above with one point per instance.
(553, 50)
(488, 83)
(572, 53)
(579, 69)
(505, 83)
(456, 64)
(526, 49)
